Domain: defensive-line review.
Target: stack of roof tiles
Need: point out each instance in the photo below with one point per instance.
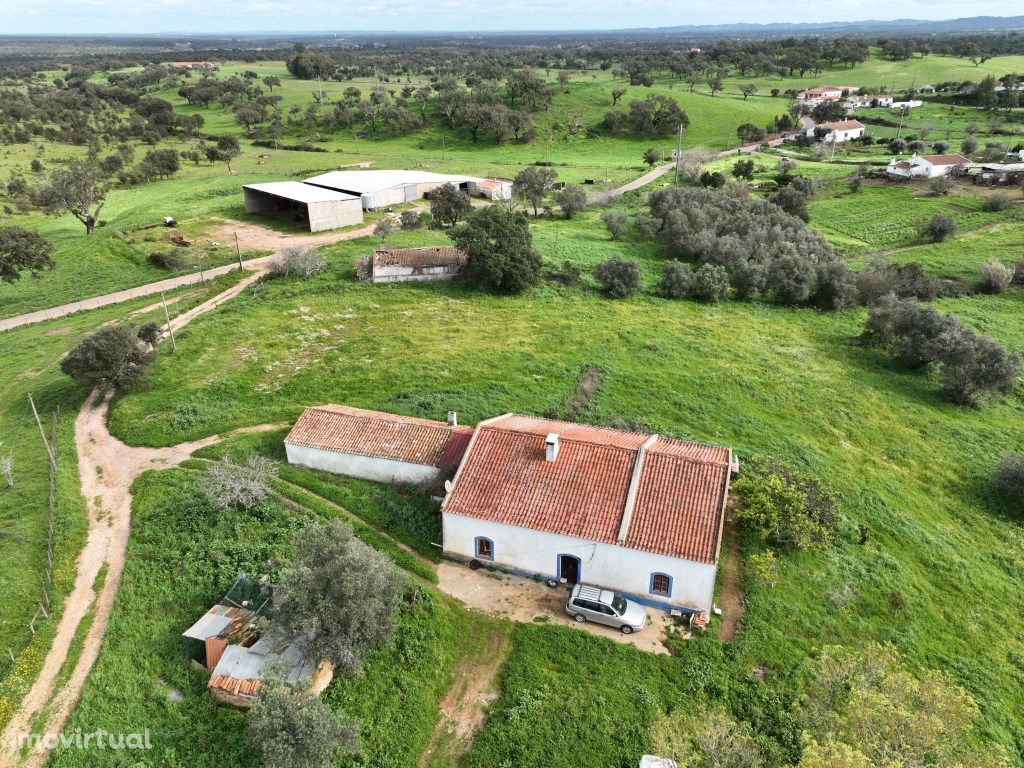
(679, 488)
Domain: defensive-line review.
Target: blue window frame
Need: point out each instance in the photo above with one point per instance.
(484, 548)
(661, 585)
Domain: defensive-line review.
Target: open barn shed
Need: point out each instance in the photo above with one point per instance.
(381, 188)
(304, 204)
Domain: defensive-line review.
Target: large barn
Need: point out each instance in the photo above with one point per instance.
(304, 204)
(636, 513)
(380, 189)
(377, 446)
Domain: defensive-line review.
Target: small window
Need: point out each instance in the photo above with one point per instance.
(484, 549)
(661, 584)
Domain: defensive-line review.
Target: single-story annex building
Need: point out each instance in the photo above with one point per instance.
(925, 166)
(299, 203)
(636, 513)
(403, 265)
(371, 445)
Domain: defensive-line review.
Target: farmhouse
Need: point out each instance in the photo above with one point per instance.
(909, 104)
(400, 265)
(380, 189)
(298, 203)
(858, 102)
(840, 131)
(376, 446)
(927, 166)
(231, 642)
(637, 513)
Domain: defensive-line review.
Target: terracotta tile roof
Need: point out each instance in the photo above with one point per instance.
(583, 493)
(945, 159)
(844, 125)
(371, 433)
(455, 449)
(435, 256)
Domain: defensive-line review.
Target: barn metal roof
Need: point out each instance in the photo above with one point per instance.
(368, 182)
(300, 192)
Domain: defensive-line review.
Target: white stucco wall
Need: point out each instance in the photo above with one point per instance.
(364, 467)
(604, 565)
(400, 274)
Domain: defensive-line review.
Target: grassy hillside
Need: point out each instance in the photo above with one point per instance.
(766, 380)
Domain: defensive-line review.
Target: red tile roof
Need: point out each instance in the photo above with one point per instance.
(677, 511)
(372, 433)
(945, 159)
(432, 256)
(844, 125)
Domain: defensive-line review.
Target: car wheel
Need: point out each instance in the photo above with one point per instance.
(579, 617)
(627, 630)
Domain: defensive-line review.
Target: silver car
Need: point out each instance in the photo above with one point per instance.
(603, 606)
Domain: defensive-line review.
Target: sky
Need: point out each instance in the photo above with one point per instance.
(220, 16)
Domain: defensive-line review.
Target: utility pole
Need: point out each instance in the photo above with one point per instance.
(167, 319)
(238, 252)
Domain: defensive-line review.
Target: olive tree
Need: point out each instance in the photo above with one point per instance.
(676, 279)
(449, 204)
(78, 189)
(994, 277)
(617, 224)
(618, 277)
(338, 598)
(532, 184)
(112, 356)
(572, 199)
(290, 728)
(230, 485)
(499, 250)
(21, 249)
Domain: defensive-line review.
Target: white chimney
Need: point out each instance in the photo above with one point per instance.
(551, 447)
(453, 419)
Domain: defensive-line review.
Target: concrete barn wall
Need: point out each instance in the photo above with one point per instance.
(384, 198)
(364, 467)
(605, 565)
(332, 214)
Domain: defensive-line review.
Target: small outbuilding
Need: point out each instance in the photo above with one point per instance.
(925, 166)
(371, 445)
(402, 265)
(303, 204)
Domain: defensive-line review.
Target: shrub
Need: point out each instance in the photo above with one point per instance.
(710, 283)
(383, 229)
(792, 201)
(572, 199)
(713, 179)
(941, 185)
(904, 280)
(303, 262)
(173, 261)
(647, 225)
(238, 486)
(676, 279)
(448, 205)
(150, 333)
(743, 169)
(113, 356)
(292, 729)
(500, 251)
(787, 509)
(410, 220)
(941, 226)
(897, 146)
(807, 187)
(994, 277)
(617, 224)
(1009, 477)
(568, 275)
(618, 277)
(1000, 201)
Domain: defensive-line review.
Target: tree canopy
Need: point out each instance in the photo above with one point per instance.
(21, 249)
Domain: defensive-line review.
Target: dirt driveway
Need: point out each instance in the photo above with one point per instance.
(520, 599)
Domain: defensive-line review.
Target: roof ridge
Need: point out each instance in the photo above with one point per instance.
(633, 490)
(565, 438)
(368, 414)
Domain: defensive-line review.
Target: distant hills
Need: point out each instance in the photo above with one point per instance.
(874, 27)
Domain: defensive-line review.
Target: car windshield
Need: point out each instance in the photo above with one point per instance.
(619, 604)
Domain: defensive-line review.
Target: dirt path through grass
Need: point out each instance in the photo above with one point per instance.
(107, 468)
(464, 707)
(732, 596)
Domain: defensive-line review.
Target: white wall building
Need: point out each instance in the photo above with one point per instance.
(859, 102)
(838, 132)
(376, 446)
(383, 188)
(909, 104)
(636, 513)
(404, 265)
(925, 166)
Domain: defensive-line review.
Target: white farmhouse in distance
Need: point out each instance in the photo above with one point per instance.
(876, 100)
(925, 166)
(909, 104)
(838, 132)
(636, 513)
